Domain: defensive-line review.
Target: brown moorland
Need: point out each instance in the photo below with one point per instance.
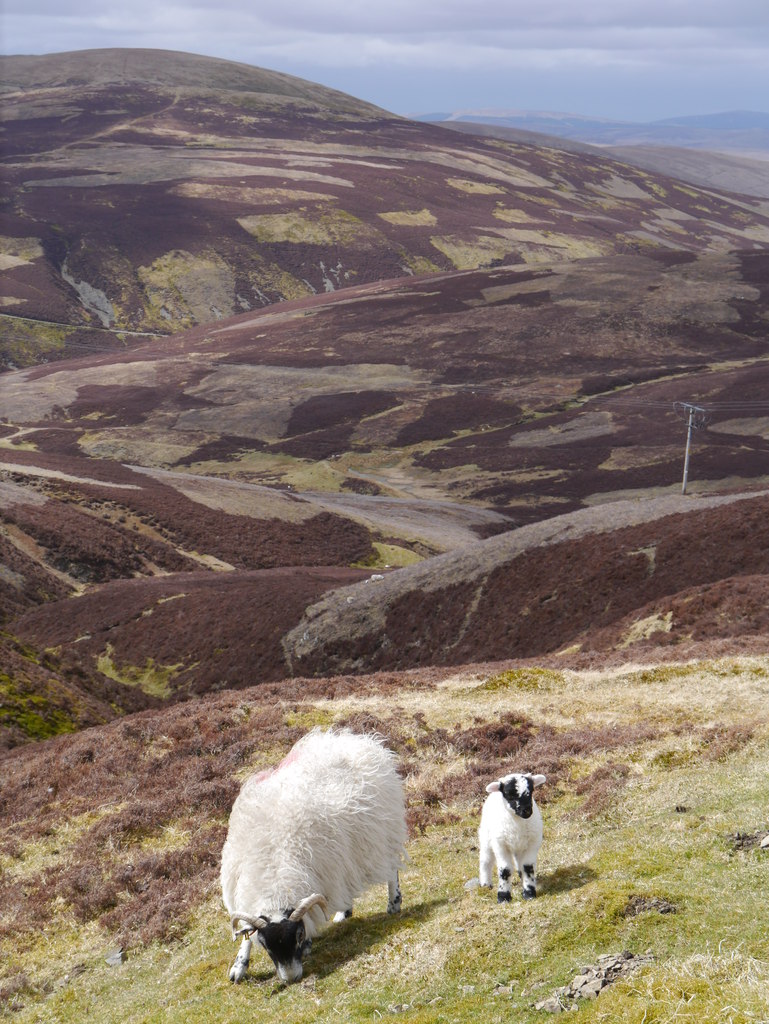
(152, 191)
(443, 506)
(498, 435)
(177, 483)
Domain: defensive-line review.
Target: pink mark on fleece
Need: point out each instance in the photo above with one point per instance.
(269, 772)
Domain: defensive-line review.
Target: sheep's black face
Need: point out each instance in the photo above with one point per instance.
(517, 790)
(287, 943)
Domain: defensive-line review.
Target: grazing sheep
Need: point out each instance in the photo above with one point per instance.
(307, 838)
(510, 833)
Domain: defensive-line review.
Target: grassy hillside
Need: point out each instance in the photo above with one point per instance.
(655, 808)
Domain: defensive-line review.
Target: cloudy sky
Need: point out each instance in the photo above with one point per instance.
(628, 59)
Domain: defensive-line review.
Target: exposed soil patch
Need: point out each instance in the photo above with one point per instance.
(643, 904)
(750, 840)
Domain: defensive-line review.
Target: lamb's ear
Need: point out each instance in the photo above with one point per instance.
(537, 780)
(494, 787)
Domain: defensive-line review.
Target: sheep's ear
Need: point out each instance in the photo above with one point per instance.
(537, 780)
(494, 787)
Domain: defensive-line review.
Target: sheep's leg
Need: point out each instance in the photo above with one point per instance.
(529, 879)
(504, 894)
(505, 871)
(486, 867)
(527, 872)
(394, 898)
(239, 968)
(342, 915)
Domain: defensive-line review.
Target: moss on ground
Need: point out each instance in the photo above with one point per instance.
(152, 678)
(27, 342)
(32, 713)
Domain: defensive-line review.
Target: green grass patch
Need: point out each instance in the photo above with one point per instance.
(389, 556)
(33, 713)
(152, 678)
(25, 342)
(524, 679)
(665, 837)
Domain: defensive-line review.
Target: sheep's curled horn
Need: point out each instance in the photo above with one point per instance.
(316, 900)
(255, 923)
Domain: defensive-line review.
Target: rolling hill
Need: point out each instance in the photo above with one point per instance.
(151, 191)
(486, 431)
(312, 415)
(724, 171)
(507, 349)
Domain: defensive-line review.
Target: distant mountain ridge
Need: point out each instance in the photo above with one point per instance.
(740, 131)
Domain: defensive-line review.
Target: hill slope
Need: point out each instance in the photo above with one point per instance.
(736, 131)
(152, 191)
(655, 799)
(238, 473)
(725, 172)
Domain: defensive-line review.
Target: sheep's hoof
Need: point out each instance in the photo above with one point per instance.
(529, 894)
(238, 972)
(503, 896)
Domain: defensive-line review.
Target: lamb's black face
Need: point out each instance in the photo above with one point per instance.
(517, 790)
(286, 942)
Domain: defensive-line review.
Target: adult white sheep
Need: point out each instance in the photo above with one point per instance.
(307, 838)
(510, 833)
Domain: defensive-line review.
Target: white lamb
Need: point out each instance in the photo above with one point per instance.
(510, 833)
(307, 838)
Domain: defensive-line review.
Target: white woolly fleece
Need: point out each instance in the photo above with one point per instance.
(330, 819)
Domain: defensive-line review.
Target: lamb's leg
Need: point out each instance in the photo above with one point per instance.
(394, 898)
(505, 870)
(486, 867)
(529, 879)
(527, 872)
(504, 894)
(239, 968)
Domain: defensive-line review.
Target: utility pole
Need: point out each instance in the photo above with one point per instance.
(697, 417)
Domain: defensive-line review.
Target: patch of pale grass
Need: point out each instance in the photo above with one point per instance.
(729, 690)
(706, 988)
(48, 850)
(410, 218)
